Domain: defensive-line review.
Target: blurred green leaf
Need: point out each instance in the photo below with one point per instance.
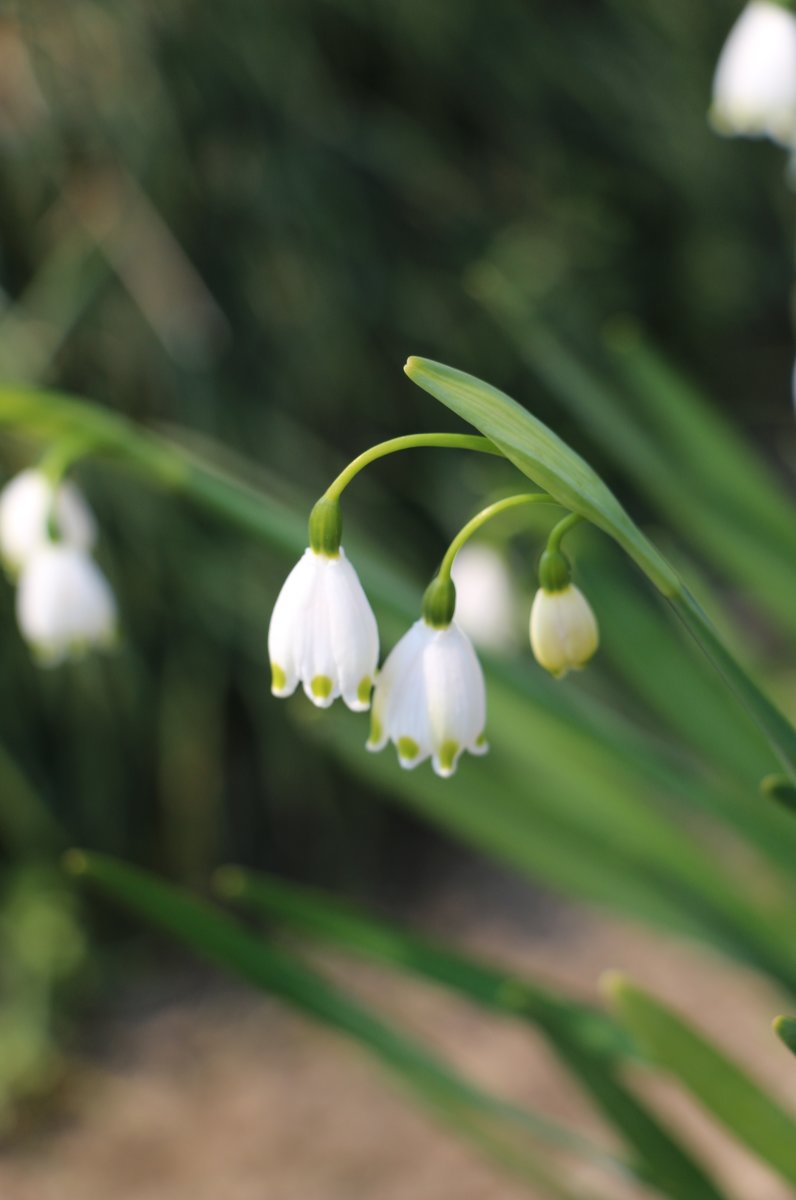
(587, 1043)
(785, 1029)
(715, 1081)
(208, 933)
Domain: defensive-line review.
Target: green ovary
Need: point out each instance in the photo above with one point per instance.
(321, 686)
(407, 748)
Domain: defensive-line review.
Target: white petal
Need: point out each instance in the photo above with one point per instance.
(394, 692)
(754, 88)
(564, 631)
(353, 632)
(286, 632)
(64, 602)
(26, 504)
(455, 696)
(430, 698)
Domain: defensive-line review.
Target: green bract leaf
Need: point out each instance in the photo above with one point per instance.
(543, 457)
(717, 1082)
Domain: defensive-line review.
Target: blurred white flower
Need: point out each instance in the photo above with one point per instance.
(754, 88)
(563, 629)
(485, 596)
(64, 603)
(26, 505)
(430, 699)
(323, 633)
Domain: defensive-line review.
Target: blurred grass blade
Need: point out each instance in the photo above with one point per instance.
(586, 1042)
(220, 941)
(741, 483)
(715, 1081)
(785, 1029)
(325, 916)
(542, 456)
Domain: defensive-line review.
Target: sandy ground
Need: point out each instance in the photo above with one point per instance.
(203, 1091)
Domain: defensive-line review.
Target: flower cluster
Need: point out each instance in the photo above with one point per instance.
(429, 698)
(47, 534)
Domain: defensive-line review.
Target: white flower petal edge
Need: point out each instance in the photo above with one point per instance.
(754, 88)
(25, 506)
(430, 699)
(323, 634)
(564, 631)
(64, 603)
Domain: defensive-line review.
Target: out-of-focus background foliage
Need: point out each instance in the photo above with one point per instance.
(233, 223)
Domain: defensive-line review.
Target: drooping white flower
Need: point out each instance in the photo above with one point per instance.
(26, 505)
(323, 633)
(64, 603)
(430, 699)
(754, 88)
(564, 630)
(485, 598)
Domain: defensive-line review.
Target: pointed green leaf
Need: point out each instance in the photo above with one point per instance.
(785, 1029)
(543, 457)
(714, 1080)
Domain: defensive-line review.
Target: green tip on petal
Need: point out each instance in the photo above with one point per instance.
(447, 754)
(408, 749)
(278, 678)
(321, 687)
(481, 740)
(376, 735)
(364, 690)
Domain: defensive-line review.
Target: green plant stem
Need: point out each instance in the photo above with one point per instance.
(412, 441)
(561, 529)
(481, 518)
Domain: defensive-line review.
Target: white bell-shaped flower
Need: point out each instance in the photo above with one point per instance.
(754, 88)
(564, 632)
(323, 633)
(64, 603)
(26, 505)
(485, 597)
(430, 699)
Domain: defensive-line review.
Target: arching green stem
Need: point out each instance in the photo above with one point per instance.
(413, 441)
(439, 601)
(558, 531)
(486, 514)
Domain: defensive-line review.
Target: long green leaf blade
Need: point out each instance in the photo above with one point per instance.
(217, 939)
(543, 457)
(715, 1081)
(585, 1041)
